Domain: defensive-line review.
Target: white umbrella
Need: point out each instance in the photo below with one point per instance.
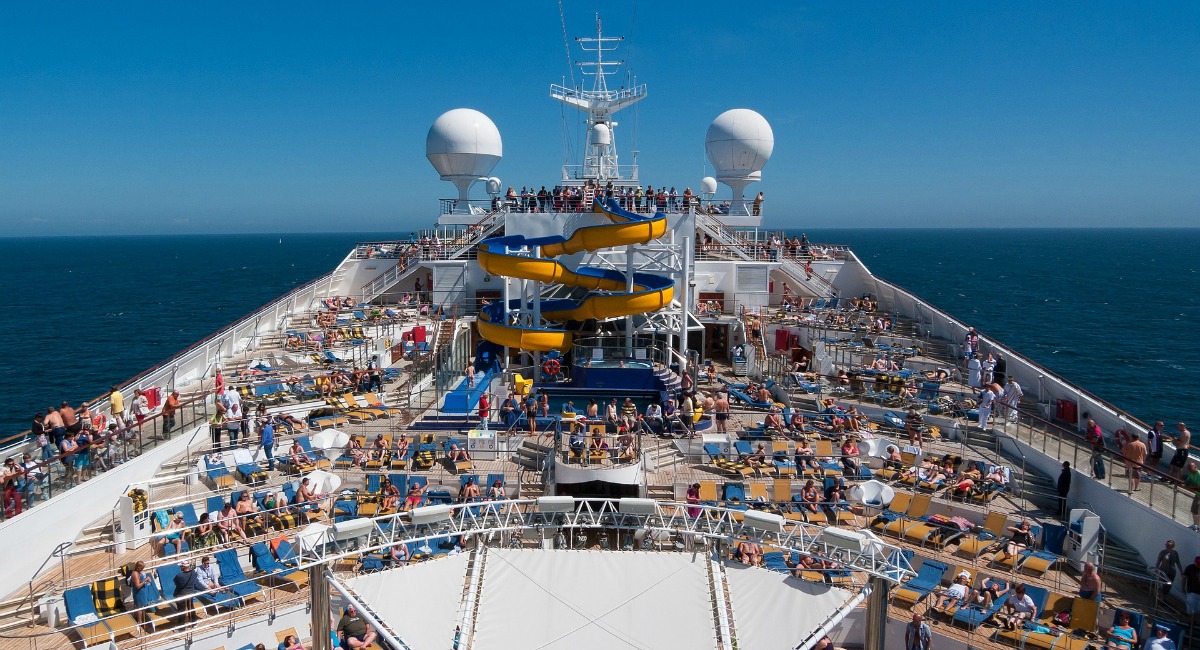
(322, 482)
(329, 442)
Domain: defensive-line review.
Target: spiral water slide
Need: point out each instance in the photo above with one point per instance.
(650, 292)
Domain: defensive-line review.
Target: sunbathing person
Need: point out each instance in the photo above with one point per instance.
(229, 524)
(205, 533)
(390, 495)
(894, 460)
(774, 421)
(172, 534)
(810, 497)
(247, 508)
(305, 496)
(300, 458)
(990, 591)
(806, 458)
(625, 446)
(357, 454)
(796, 425)
(457, 454)
(414, 497)
(379, 448)
(402, 446)
(749, 553)
(398, 554)
(496, 492)
(1019, 608)
(469, 492)
(956, 593)
(1022, 538)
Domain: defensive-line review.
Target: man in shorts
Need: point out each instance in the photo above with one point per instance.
(354, 631)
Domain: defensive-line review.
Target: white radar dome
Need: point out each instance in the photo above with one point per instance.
(463, 142)
(708, 185)
(600, 136)
(739, 142)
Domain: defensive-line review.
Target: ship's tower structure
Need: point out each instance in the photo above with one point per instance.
(599, 103)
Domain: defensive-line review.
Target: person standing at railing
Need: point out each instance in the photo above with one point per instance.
(116, 405)
(1154, 442)
(170, 406)
(758, 201)
(1135, 455)
(55, 427)
(1183, 445)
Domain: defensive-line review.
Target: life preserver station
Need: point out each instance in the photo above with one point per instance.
(1122, 437)
(551, 367)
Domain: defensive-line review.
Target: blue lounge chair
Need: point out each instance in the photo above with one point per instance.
(233, 577)
(928, 577)
(218, 474)
(271, 572)
(79, 603)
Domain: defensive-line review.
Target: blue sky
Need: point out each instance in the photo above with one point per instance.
(303, 116)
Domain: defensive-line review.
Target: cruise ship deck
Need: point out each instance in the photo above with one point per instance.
(525, 468)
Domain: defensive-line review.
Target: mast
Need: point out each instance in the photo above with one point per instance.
(599, 103)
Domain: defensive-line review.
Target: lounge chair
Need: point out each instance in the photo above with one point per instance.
(376, 403)
(369, 498)
(928, 578)
(234, 578)
(352, 403)
(972, 616)
(271, 572)
(248, 471)
(824, 449)
(917, 509)
(1035, 562)
(977, 543)
(894, 510)
(106, 594)
(82, 614)
(784, 465)
(217, 472)
(718, 460)
(326, 417)
(425, 457)
(354, 415)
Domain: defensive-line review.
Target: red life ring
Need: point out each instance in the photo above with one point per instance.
(100, 422)
(1122, 437)
(552, 366)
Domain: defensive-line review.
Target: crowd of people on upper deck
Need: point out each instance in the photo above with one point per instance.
(568, 198)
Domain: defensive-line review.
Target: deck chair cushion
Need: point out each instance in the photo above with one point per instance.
(106, 595)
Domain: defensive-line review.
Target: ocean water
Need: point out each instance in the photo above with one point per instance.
(1115, 311)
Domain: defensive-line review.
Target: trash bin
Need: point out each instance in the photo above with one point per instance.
(119, 541)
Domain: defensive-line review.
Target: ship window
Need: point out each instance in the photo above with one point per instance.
(752, 279)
